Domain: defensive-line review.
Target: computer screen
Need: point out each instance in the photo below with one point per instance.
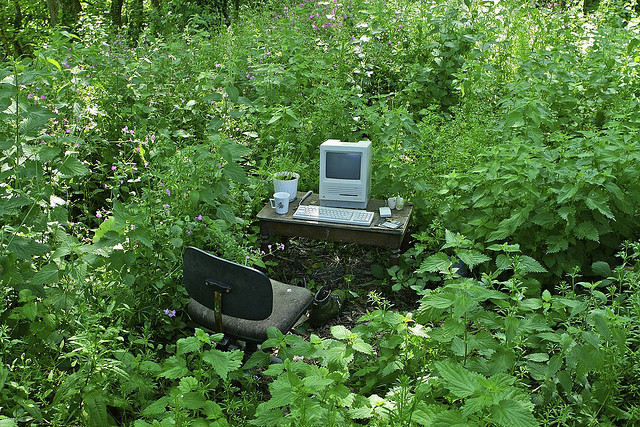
(343, 165)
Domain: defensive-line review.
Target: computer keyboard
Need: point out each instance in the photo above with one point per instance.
(336, 215)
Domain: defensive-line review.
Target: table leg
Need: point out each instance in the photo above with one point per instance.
(264, 242)
(394, 256)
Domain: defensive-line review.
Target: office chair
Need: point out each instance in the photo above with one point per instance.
(240, 301)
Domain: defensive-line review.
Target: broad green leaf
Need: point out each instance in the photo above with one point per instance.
(215, 124)
(537, 357)
(440, 300)
(55, 63)
(566, 212)
(391, 367)
(236, 114)
(530, 304)
(274, 118)
(601, 268)
(514, 119)
(96, 407)
(225, 212)
(142, 235)
(61, 300)
(462, 304)
(556, 244)
(340, 332)
(601, 325)
(316, 382)
(471, 257)
(212, 410)
(7, 422)
(360, 412)
(500, 233)
(106, 225)
(32, 126)
(361, 346)
(174, 367)
(26, 248)
(460, 381)
(503, 262)
(512, 326)
(193, 400)
(438, 262)
(235, 173)
(47, 275)
(282, 393)
(530, 265)
(232, 151)
(511, 413)
(597, 201)
(29, 310)
(587, 230)
(156, 408)
(450, 418)
(188, 345)
(339, 356)
(12, 205)
(223, 362)
(448, 330)
(233, 93)
(67, 388)
(567, 192)
(71, 167)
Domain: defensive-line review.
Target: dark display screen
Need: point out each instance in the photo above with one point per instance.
(343, 165)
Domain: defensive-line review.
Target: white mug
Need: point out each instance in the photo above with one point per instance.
(280, 202)
(391, 202)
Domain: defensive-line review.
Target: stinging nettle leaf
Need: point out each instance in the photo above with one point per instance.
(514, 414)
(530, 265)
(460, 381)
(597, 201)
(471, 257)
(437, 262)
(223, 362)
(71, 166)
(47, 275)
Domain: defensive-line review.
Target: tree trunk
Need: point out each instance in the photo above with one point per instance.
(116, 13)
(136, 20)
(70, 11)
(54, 12)
(18, 48)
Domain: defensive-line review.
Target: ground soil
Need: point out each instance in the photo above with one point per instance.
(313, 264)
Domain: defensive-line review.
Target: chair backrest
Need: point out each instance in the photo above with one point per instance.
(249, 296)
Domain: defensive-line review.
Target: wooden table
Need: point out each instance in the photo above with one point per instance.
(272, 223)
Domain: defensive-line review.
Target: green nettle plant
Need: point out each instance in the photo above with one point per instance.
(566, 206)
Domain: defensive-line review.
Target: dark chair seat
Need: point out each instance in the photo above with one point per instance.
(289, 304)
(250, 301)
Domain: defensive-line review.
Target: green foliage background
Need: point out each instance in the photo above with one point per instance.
(512, 128)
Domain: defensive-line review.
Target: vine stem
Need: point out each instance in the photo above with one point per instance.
(17, 125)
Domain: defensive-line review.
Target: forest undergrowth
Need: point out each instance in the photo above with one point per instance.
(512, 128)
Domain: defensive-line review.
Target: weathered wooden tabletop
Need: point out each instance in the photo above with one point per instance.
(272, 223)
